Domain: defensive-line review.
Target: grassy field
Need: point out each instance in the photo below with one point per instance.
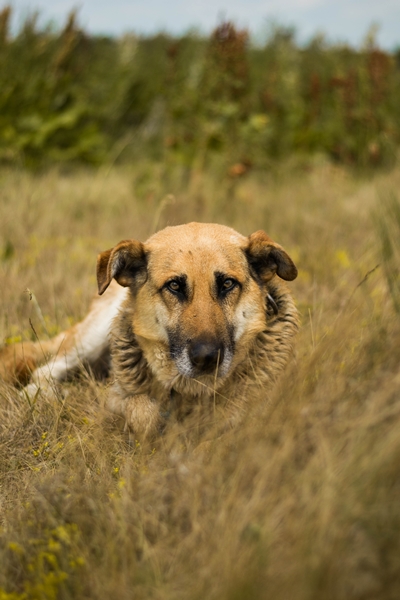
(303, 499)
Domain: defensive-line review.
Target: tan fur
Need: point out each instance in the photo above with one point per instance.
(200, 315)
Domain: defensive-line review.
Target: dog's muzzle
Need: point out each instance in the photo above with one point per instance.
(202, 355)
(205, 355)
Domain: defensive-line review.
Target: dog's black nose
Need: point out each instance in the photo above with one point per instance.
(205, 355)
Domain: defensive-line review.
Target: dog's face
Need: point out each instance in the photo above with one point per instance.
(199, 294)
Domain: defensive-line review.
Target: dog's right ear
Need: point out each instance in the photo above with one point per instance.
(123, 263)
(266, 258)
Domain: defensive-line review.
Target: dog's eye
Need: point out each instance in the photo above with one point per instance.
(174, 286)
(177, 287)
(227, 285)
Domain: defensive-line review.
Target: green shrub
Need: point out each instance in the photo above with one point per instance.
(68, 96)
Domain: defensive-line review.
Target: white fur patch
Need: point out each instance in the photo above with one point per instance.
(90, 339)
(249, 318)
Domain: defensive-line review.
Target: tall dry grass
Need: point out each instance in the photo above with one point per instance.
(302, 500)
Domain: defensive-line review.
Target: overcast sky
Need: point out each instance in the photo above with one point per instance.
(341, 20)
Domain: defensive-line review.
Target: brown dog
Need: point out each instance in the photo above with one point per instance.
(200, 315)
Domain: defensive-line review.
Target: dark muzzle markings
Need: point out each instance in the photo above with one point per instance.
(205, 354)
(202, 344)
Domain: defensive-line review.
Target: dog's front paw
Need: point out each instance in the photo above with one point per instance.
(33, 390)
(143, 418)
(30, 391)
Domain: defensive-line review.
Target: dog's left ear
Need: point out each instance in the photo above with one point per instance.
(123, 263)
(266, 258)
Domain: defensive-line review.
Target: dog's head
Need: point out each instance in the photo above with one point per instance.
(199, 294)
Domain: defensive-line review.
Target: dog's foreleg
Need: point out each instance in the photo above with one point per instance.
(84, 344)
(141, 414)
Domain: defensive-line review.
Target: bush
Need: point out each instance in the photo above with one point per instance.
(65, 95)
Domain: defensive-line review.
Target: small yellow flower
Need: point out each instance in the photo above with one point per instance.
(16, 548)
(343, 258)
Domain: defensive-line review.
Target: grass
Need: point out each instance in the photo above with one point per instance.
(302, 500)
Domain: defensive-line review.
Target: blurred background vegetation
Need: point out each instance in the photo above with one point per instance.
(192, 100)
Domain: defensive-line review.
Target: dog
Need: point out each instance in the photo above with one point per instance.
(197, 314)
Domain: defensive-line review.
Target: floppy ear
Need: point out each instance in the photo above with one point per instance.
(267, 258)
(123, 263)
